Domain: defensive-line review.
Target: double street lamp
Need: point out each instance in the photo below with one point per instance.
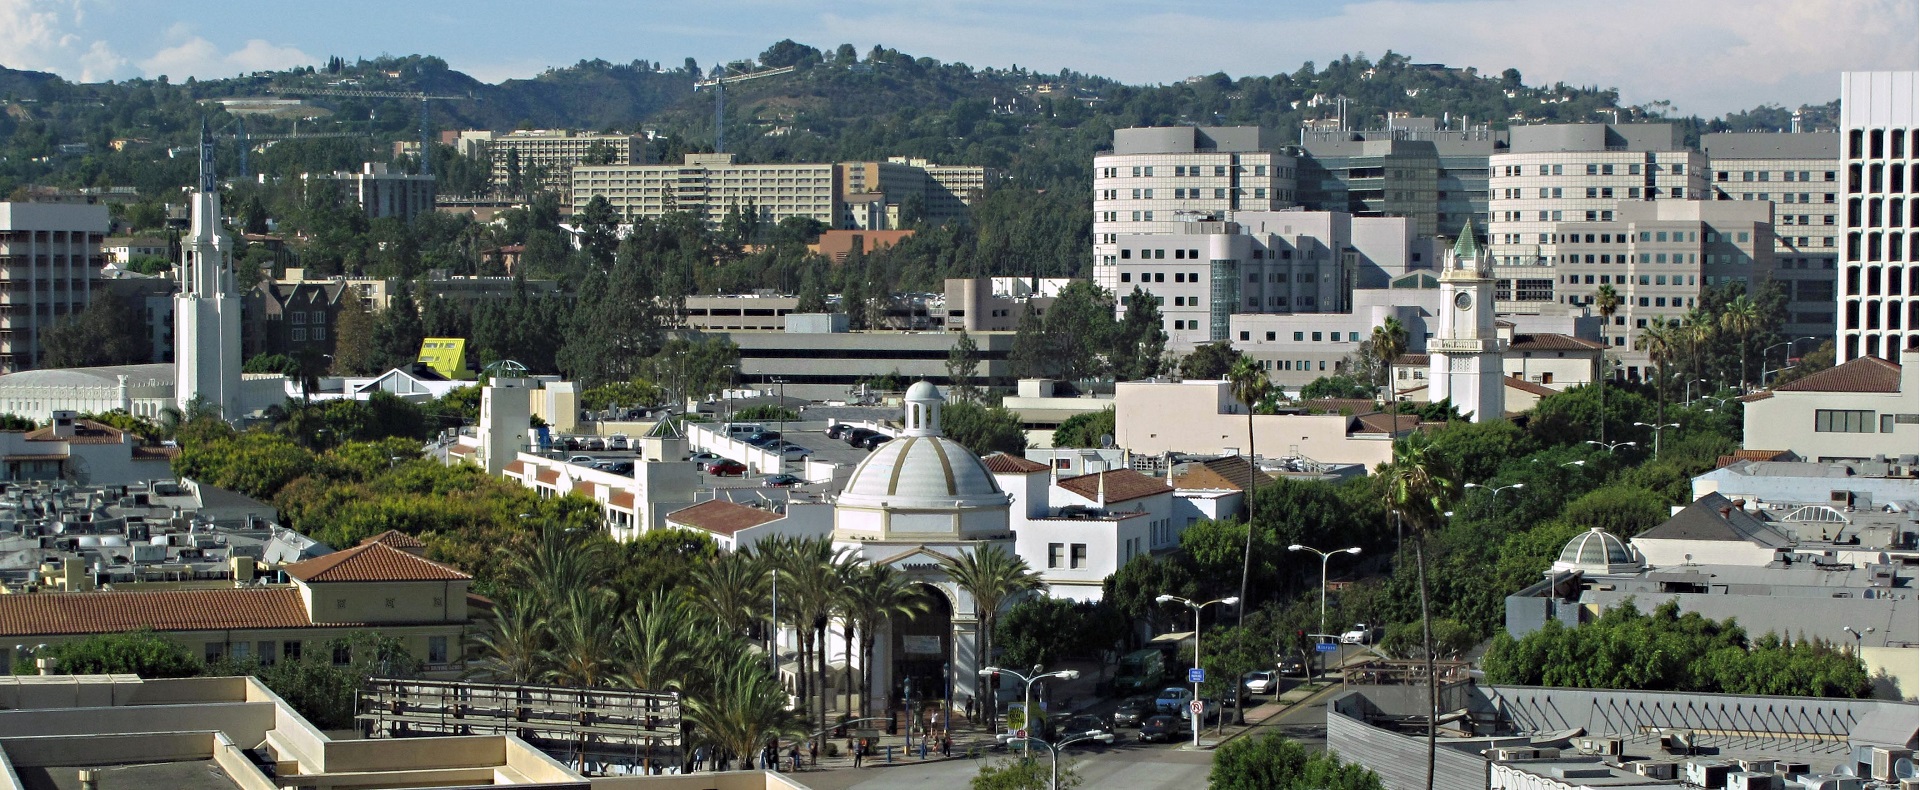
(1656, 433)
(1026, 712)
(1495, 491)
(1612, 446)
(1324, 557)
(1198, 709)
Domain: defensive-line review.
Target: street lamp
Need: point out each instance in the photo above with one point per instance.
(1324, 557)
(1026, 712)
(1196, 607)
(1689, 390)
(1858, 636)
(1786, 360)
(1656, 433)
(1495, 491)
(1053, 753)
(1612, 446)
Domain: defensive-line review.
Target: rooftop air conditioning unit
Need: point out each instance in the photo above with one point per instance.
(1656, 769)
(1605, 747)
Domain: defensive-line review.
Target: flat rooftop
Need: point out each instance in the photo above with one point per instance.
(181, 775)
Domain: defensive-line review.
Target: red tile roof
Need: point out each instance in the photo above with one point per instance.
(372, 562)
(1755, 455)
(621, 499)
(1003, 464)
(1529, 387)
(396, 539)
(1382, 422)
(1860, 374)
(721, 517)
(50, 614)
(547, 476)
(515, 468)
(84, 432)
(1122, 485)
(461, 449)
(1549, 341)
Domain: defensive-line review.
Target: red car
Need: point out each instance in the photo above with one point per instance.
(726, 468)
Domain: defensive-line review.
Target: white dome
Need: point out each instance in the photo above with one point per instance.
(1598, 551)
(920, 469)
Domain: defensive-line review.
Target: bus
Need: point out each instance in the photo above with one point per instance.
(1140, 670)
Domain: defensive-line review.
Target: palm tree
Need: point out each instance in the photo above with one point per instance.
(1608, 301)
(991, 576)
(1741, 317)
(732, 589)
(1389, 342)
(559, 561)
(746, 706)
(875, 597)
(1250, 386)
(1661, 340)
(1698, 329)
(585, 639)
(1418, 484)
(661, 645)
(812, 573)
(514, 649)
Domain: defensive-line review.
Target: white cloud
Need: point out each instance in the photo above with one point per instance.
(197, 57)
(39, 36)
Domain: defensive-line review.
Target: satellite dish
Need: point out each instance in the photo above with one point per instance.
(1903, 768)
(1106, 441)
(1843, 769)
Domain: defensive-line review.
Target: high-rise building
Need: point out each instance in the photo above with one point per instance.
(1799, 173)
(873, 195)
(1155, 178)
(206, 312)
(710, 185)
(1413, 168)
(1577, 173)
(1880, 254)
(380, 191)
(544, 159)
(50, 260)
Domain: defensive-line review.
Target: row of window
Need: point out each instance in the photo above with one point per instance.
(1724, 176)
(1592, 169)
(1862, 143)
(1624, 279)
(1854, 421)
(1301, 337)
(269, 651)
(1196, 171)
(1063, 555)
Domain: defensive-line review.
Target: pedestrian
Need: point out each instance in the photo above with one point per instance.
(969, 709)
(923, 744)
(859, 752)
(793, 753)
(946, 744)
(699, 758)
(813, 752)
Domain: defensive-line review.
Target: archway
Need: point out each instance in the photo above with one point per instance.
(921, 648)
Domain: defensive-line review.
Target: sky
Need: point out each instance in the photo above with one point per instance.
(1706, 56)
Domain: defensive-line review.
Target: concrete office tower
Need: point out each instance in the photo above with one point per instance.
(206, 312)
(546, 157)
(1798, 172)
(708, 185)
(379, 190)
(1880, 256)
(1658, 256)
(50, 262)
(1577, 173)
(1466, 359)
(1157, 177)
(1413, 168)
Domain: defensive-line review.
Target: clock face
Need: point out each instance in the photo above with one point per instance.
(1463, 300)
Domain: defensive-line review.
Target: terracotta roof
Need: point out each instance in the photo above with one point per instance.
(1231, 472)
(1755, 455)
(1860, 374)
(1382, 422)
(621, 499)
(35, 614)
(1412, 360)
(515, 468)
(1122, 485)
(1003, 464)
(461, 449)
(144, 453)
(1526, 386)
(1337, 405)
(547, 476)
(1550, 341)
(372, 562)
(584, 489)
(84, 432)
(396, 539)
(722, 517)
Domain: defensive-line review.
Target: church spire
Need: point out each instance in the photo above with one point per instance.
(1467, 248)
(208, 180)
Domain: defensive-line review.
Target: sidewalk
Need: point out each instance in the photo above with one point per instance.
(1258, 715)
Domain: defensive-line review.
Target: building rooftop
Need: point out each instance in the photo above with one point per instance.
(372, 562)
(47, 614)
(1714, 517)
(1004, 464)
(1122, 485)
(1772, 145)
(722, 517)
(1860, 374)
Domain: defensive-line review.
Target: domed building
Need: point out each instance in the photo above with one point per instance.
(1597, 552)
(916, 500)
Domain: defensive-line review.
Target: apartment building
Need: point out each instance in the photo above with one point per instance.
(1204, 272)
(1577, 173)
(1414, 168)
(1880, 257)
(50, 258)
(1658, 255)
(1157, 177)
(545, 158)
(874, 194)
(709, 185)
(379, 190)
(1798, 173)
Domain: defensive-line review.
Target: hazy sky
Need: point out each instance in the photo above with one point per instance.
(1707, 56)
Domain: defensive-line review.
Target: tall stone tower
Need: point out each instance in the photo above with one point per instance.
(206, 311)
(1465, 359)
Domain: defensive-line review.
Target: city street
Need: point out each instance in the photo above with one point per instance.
(1143, 767)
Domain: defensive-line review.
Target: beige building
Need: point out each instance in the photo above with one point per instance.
(1552, 361)
(1799, 174)
(50, 257)
(1201, 417)
(1857, 410)
(1158, 177)
(380, 191)
(382, 584)
(709, 185)
(873, 194)
(546, 158)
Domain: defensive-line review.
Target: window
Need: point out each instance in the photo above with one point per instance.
(216, 651)
(1055, 552)
(1271, 336)
(242, 651)
(1079, 556)
(1299, 336)
(1842, 421)
(1245, 335)
(1126, 277)
(436, 650)
(342, 654)
(290, 649)
(1886, 423)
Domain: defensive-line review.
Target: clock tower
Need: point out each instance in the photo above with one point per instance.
(1466, 357)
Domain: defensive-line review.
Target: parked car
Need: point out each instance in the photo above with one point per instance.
(617, 442)
(702, 460)
(839, 430)
(1262, 681)
(1361, 634)
(761, 438)
(794, 451)
(1085, 729)
(1292, 666)
(858, 436)
(875, 441)
(1211, 708)
(1173, 697)
(783, 481)
(726, 467)
(582, 460)
(1159, 729)
(615, 467)
(1133, 711)
(596, 444)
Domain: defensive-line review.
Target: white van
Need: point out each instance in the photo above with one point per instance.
(736, 430)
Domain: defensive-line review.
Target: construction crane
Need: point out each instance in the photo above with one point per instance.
(719, 86)
(246, 144)
(426, 147)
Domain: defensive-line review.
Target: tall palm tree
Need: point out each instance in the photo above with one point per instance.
(1662, 341)
(876, 595)
(1418, 484)
(1741, 318)
(558, 561)
(585, 639)
(514, 649)
(1698, 329)
(746, 706)
(991, 576)
(732, 590)
(1250, 386)
(1608, 302)
(1389, 342)
(812, 573)
(661, 645)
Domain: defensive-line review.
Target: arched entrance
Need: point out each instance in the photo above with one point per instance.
(922, 650)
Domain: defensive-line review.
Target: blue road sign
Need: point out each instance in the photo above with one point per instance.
(1196, 675)
(1326, 647)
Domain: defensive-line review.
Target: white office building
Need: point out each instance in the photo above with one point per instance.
(1880, 253)
(1156, 177)
(1798, 172)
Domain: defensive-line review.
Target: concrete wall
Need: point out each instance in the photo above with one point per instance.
(1400, 760)
(1197, 417)
(731, 780)
(1786, 421)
